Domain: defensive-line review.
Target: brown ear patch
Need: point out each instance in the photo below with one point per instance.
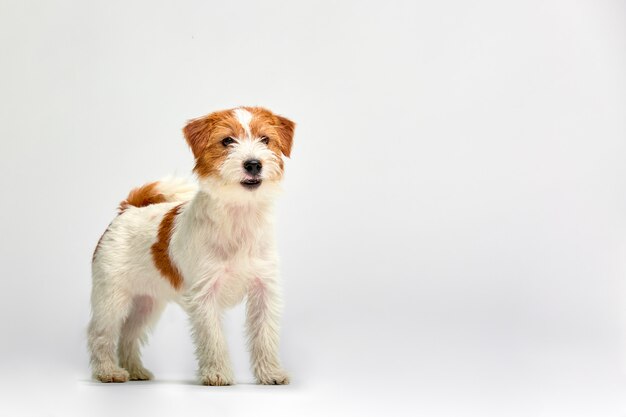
(286, 131)
(204, 136)
(142, 196)
(160, 249)
(197, 132)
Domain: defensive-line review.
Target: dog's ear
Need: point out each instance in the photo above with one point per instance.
(286, 130)
(197, 133)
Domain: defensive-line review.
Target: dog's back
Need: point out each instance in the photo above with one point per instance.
(168, 190)
(163, 191)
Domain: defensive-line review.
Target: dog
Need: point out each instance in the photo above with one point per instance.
(207, 247)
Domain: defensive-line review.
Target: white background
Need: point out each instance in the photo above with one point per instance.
(453, 227)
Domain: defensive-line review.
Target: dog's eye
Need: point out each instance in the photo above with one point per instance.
(265, 140)
(228, 141)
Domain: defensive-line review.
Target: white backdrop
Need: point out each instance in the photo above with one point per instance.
(453, 227)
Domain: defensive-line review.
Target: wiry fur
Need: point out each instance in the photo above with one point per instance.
(219, 242)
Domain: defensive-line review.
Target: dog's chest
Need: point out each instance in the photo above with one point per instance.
(229, 270)
(232, 281)
(221, 257)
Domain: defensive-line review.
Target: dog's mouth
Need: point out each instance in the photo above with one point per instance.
(251, 183)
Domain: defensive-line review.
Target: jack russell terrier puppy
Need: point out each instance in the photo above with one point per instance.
(206, 247)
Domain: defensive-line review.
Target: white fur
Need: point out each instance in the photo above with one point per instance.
(222, 244)
(177, 189)
(244, 117)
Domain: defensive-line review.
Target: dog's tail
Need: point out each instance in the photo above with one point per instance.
(164, 191)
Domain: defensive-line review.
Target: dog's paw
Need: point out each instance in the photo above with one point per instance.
(276, 377)
(216, 379)
(112, 375)
(140, 374)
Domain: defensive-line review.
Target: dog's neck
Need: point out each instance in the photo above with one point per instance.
(227, 224)
(206, 206)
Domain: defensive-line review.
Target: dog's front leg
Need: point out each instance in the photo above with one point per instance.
(206, 321)
(262, 321)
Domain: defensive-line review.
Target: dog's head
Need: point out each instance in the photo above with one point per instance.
(239, 152)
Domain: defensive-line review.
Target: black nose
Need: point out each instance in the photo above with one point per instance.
(253, 166)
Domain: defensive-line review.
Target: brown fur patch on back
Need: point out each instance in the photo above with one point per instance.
(160, 249)
(142, 196)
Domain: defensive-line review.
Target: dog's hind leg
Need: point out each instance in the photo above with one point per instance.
(109, 310)
(144, 313)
